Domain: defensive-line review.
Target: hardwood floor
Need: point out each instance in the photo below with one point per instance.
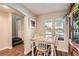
(61, 53)
(19, 51)
(15, 51)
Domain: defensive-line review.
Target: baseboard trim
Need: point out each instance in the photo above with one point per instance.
(26, 53)
(62, 50)
(3, 48)
(9, 47)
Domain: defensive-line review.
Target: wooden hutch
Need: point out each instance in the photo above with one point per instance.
(73, 16)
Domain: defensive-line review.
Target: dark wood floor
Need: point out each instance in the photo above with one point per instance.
(19, 51)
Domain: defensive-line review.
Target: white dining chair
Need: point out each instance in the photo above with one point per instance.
(41, 48)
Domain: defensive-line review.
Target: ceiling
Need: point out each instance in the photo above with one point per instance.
(5, 8)
(43, 8)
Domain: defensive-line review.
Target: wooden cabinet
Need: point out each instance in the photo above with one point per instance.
(73, 49)
(75, 52)
(73, 36)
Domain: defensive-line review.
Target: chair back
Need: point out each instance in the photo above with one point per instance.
(41, 44)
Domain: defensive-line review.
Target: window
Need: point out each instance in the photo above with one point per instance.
(76, 31)
(53, 27)
(48, 30)
(59, 29)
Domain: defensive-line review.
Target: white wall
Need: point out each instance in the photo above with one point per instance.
(28, 34)
(5, 30)
(25, 29)
(62, 45)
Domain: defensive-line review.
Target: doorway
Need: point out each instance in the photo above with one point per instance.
(16, 30)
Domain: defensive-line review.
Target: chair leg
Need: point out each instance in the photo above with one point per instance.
(38, 53)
